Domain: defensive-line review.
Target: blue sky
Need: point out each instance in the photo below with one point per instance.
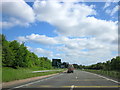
(37, 28)
(51, 29)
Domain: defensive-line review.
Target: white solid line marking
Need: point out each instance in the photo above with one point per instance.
(45, 71)
(72, 87)
(34, 82)
(104, 77)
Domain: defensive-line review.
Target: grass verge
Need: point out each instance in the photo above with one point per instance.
(10, 74)
(112, 74)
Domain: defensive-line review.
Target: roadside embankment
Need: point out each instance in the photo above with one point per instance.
(13, 77)
(16, 82)
(10, 74)
(112, 74)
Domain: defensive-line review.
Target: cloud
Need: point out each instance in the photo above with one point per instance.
(74, 20)
(58, 14)
(41, 52)
(115, 9)
(22, 39)
(41, 39)
(90, 50)
(80, 57)
(97, 52)
(16, 12)
(107, 4)
(111, 12)
(29, 48)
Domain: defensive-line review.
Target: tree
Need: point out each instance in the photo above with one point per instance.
(115, 63)
(76, 66)
(45, 62)
(17, 55)
(15, 46)
(7, 53)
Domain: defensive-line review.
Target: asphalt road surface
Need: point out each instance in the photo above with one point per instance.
(73, 81)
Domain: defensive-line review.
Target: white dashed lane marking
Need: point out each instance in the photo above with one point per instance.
(72, 87)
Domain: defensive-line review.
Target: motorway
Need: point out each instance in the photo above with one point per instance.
(73, 81)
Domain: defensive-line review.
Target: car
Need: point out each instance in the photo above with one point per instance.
(70, 68)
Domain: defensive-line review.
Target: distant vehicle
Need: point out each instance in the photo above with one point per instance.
(70, 68)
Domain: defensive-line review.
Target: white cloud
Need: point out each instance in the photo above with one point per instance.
(29, 48)
(72, 20)
(108, 11)
(16, 12)
(97, 52)
(41, 52)
(111, 12)
(73, 49)
(107, 4)
(60, 14)
(42, 39)
(115, 9)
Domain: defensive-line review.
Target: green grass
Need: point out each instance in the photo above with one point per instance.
(10, 74)
(112, 74)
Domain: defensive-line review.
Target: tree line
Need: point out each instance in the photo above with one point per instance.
(17, 55)
(113, 64)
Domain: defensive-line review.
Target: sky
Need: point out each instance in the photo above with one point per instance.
(76, 32)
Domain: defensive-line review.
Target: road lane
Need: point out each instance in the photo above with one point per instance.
(78, 79)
